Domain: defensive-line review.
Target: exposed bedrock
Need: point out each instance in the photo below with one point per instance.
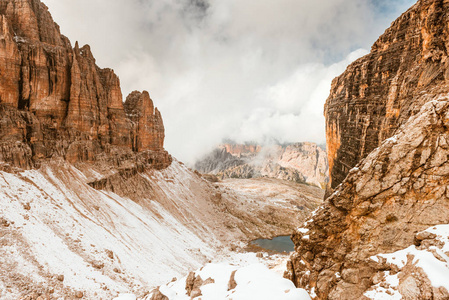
(387, 121)
(55, 101)
(378, 93)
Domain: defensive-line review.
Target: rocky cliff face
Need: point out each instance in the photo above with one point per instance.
(148, 133)
(217, 161)
(300, 162)
(387, 119)
(377, 93)
(55, 101)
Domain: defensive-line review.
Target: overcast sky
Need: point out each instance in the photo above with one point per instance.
(247, 70)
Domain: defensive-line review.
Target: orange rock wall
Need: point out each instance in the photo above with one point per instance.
(68, 106)
(147, 122)
(387, 118)
(370, 100)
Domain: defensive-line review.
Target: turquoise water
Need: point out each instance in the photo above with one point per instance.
(279, 244)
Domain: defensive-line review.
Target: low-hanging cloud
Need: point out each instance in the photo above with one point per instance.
(239, 69)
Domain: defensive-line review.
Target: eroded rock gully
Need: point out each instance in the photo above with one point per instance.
(55, 101)
(387, 132)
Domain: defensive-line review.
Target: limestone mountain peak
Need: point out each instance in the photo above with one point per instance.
(57, 102)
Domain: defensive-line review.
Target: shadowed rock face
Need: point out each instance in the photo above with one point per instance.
(387, 119)
(56, 101)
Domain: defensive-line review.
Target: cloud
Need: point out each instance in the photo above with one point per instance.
(294, 106)
(240, 69)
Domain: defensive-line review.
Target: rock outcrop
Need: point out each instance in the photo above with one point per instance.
(387, 119)
(299, 162)
(148, 133)
(55, 101)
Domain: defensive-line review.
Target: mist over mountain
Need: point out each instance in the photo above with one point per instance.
(246, 70)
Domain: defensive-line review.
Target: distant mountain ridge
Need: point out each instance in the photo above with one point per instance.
(300, 162)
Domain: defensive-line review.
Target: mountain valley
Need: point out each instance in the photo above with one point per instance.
(92, 205)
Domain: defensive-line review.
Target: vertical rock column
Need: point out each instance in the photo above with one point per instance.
(9, 65)
(148, 128)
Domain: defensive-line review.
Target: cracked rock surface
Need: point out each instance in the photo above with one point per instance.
(397, 191)
(388, 146)
(380, 91)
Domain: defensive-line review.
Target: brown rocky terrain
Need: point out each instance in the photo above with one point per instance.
(268, 207)
(298, 162)
(387, 118)
(56, 102)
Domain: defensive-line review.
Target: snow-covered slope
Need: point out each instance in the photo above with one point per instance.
(240, 277)
(60, 235)
(55, 224)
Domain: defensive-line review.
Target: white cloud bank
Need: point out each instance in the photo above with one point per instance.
(239, 69)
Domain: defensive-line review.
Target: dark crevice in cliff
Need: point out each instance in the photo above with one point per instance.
(23, 104)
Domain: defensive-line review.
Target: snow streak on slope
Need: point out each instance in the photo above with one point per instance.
(55, 224)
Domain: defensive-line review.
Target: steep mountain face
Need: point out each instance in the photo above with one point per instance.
(387, 119)
(147, 120)
(378, 93)
(55, 101)
(300, 162)
(217, 161)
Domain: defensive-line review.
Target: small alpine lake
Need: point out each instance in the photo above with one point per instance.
(278, 244)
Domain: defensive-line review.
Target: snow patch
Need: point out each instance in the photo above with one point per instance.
(393, 139)
(254, 281)
(390, 292)
(302, 230)
(436, 269)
